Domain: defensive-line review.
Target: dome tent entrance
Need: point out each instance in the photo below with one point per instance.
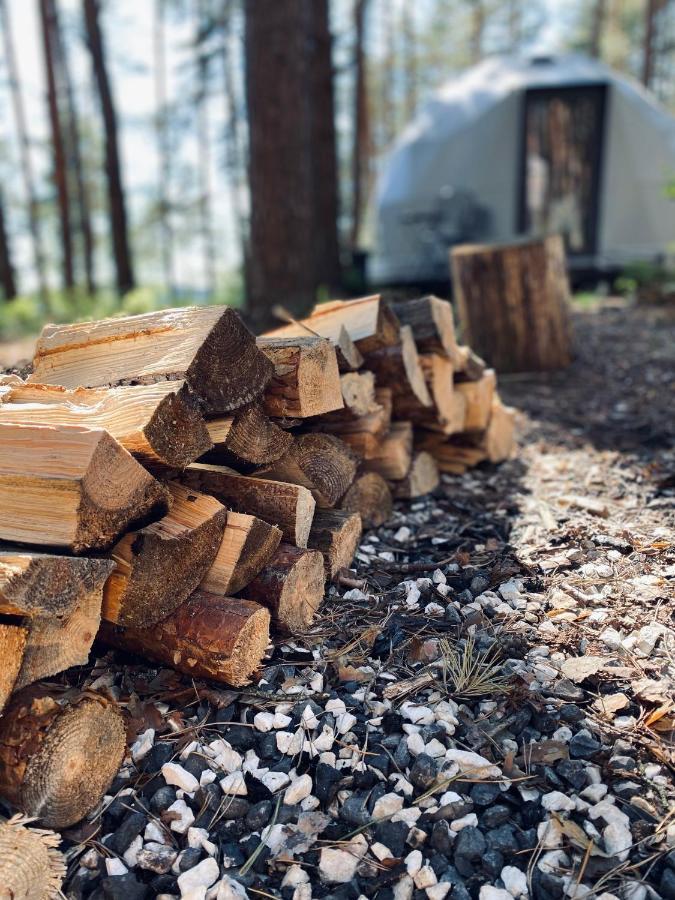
(522, 147)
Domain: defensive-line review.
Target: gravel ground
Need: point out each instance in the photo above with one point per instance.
(487, 707)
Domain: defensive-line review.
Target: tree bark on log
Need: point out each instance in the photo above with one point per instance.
(513, 301)
(289, 506)
(59, 753)
(72, 487)
(369, 496)
(336, 533)
(291, 586)
(160, 424)
(209, 347)
(158, 567)
(222, 638)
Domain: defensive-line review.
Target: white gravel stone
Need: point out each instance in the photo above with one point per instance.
(404, 888)
(338, 866)
(472, 763)
(204, 874)
(274, 781)
(185, 819)
(289, 742)
(556, 801)
(298, 790)
(594, 793)
(418, 715)
(434, 609)
(281, 720)
(401, 784)
(143, 745)
(387, 805)
(335, 706)
(409, 815)
(438, 891)
(381, 852)
(154, 832)
(208, 776)
(449, 797)
(425, 878)
(263, 721)
(438, 577)
(469, 819)
(434, 749)
(515, 881)
(115, 866)
(229, 889)
(403, 534)
(324, 741)
(488, 892)
(308, 718)
(176, 775)
(413, 862)
(234, 785)
(345, 722)
(229, 760)
(354, 594)
(618, 839)
(415, 743)
(130, 855)
(294, 876)
(302, 892)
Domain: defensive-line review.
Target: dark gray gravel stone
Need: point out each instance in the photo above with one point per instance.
(189, 858)
(393, 836)
(583, 745)
(484, 794)
(495, 816)
(130, 828)
(503, 839)
(574, 772)
(493, 863)
(259, 815)
(469, 847)
(124, 887)
(443, 839)
(162, 799)
(423, 772)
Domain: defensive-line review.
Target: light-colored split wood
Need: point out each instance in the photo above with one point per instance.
(247, 546)
(306, 378)
(422, 478)
(478, 396)
(394, 457)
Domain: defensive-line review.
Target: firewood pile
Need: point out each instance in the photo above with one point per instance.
(177, 487)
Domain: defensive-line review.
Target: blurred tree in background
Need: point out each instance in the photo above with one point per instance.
(227, 150)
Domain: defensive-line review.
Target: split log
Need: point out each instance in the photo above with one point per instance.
(72, 487)
(432, 324)
(158, 567)
(394, 457)
(59, 753)
(209, 347)
(246, 440)
(358, 394)
(223, 638)
(422, 478)
(160, 424)
(438, 375)
(452, 456)
(370, 497)
(513, 300)
(320, 462)
(13, 639)
(248, 545)
(362, 433)
(289, 506)
(291, 586)
(306, 378)
(498, 441)
(470, 367)
(399, 369)
(31, 865)
(59, 598)
(368, 321)
(348, 357)
(336, 533)
(478, 396)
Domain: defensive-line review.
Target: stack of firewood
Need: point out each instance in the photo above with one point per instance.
(188, 485)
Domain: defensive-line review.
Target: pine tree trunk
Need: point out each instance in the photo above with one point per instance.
(60, 172)
(281, 251)
(24, 152)
(204, 153)
(597, 24)
(648, 54)
(361, 140)
(75, 161)
(7, 273)
(324, 161)
(234, 141)
(410, 62)
(161, 124)
(118, 214)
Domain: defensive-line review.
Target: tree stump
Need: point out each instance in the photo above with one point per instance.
(512, 303)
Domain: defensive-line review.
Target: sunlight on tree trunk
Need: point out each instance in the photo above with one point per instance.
(7, 272)
(163, 148)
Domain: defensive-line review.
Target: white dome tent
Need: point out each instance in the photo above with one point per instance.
(527, 146)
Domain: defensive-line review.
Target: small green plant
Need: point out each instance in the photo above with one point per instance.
(471, 673)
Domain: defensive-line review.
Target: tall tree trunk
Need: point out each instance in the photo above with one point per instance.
(597, 23)
(234, 142)
(60, 171)
(361, 139)
(477, 29)
(649, 49)
(75, 162)
(7, 272)
(163, 148)
(24, 152)
(324, 156)
(281, 261)
(118, 213)
(409, 61)
(204, 153)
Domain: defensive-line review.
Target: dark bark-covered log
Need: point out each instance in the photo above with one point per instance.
(291, 586)
(59, 600)
(209, 347)
(247, 546)
(336, 533)
(246, 439)
(394, 456)
(478, 396)
(512, 301)
(322, 463)
(369, 496)
(289, 506)
(59, 753)
(432, 324)
(72, 487)
(208, 636)
(158, 567)
(422, 478)
(160, 424)
(306, 378)
(398, 368)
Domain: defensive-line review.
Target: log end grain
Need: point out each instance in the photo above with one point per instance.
(369, 496)
(31, 865)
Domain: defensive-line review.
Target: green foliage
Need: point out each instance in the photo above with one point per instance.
(648, 281)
